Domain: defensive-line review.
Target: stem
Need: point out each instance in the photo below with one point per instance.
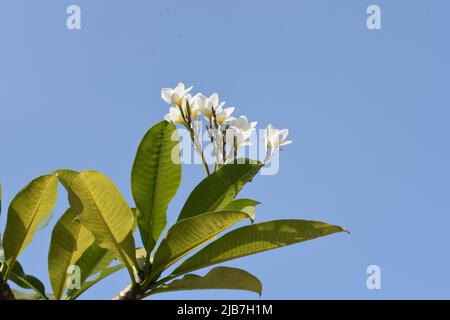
(224, 146)
(235, 149)
(132, 292)
(199, 150)
(214, 142)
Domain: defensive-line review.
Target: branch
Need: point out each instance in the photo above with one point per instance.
(5, 291)
(130, 293)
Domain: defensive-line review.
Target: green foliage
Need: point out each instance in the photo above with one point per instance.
(94, 261)
(69, 241)
(220, 188)
(27, 211)
(155, 178)
(187, 235)
(25, 281)
(103, 211)
(96, 233)
(256, 238)
(217, 278)
(246, 205)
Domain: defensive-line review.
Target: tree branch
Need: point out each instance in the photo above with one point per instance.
(5, 291)
(130, 293)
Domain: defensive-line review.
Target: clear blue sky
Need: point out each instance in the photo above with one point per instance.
(368, 112)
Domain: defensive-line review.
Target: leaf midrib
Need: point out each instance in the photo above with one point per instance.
(116, 243)
(156, 185)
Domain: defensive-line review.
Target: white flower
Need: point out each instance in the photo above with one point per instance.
(176, 114)
(274, 139)
(176, 95)
(224, 115)
(242, 124)
(206, 105)
(188, 99)
(238, 138)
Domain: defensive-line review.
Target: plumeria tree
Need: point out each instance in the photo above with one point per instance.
(96, 236)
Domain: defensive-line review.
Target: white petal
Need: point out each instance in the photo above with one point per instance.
(243, 119)
(180, 88)
(214, 99)
(283, 133)
(229, 111)
(285, 143)
(200, 100)
(166, 95)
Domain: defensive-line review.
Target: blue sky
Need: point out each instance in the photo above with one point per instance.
(368, 112)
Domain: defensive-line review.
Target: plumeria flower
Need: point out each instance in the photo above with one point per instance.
(206, 105)
(193, 108)
(238, 138)
(176, 95)
(174, 116)
(275, 139)
(178, 114)
(242, 124)
(224, 115)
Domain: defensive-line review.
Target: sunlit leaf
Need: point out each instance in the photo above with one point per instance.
(155, 178)
(217, 278)
(256, 238)
(104, 212)
(29, 208)
(219, 189)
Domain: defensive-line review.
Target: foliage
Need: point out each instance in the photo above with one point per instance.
(96, 234)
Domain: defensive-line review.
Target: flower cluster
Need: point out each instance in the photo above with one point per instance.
(226, 133)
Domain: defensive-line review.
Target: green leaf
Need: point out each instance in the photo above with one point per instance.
(29, 208)
(88, 284)
(188, 234)
(218, 189)
(217, 278)
(246, 205)
(65, 177)
(22, 295)
(69, 241)
(256, 238)
(25, 281)
(105, 213)
(102, 274)
(94, 260)
(155, 178)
